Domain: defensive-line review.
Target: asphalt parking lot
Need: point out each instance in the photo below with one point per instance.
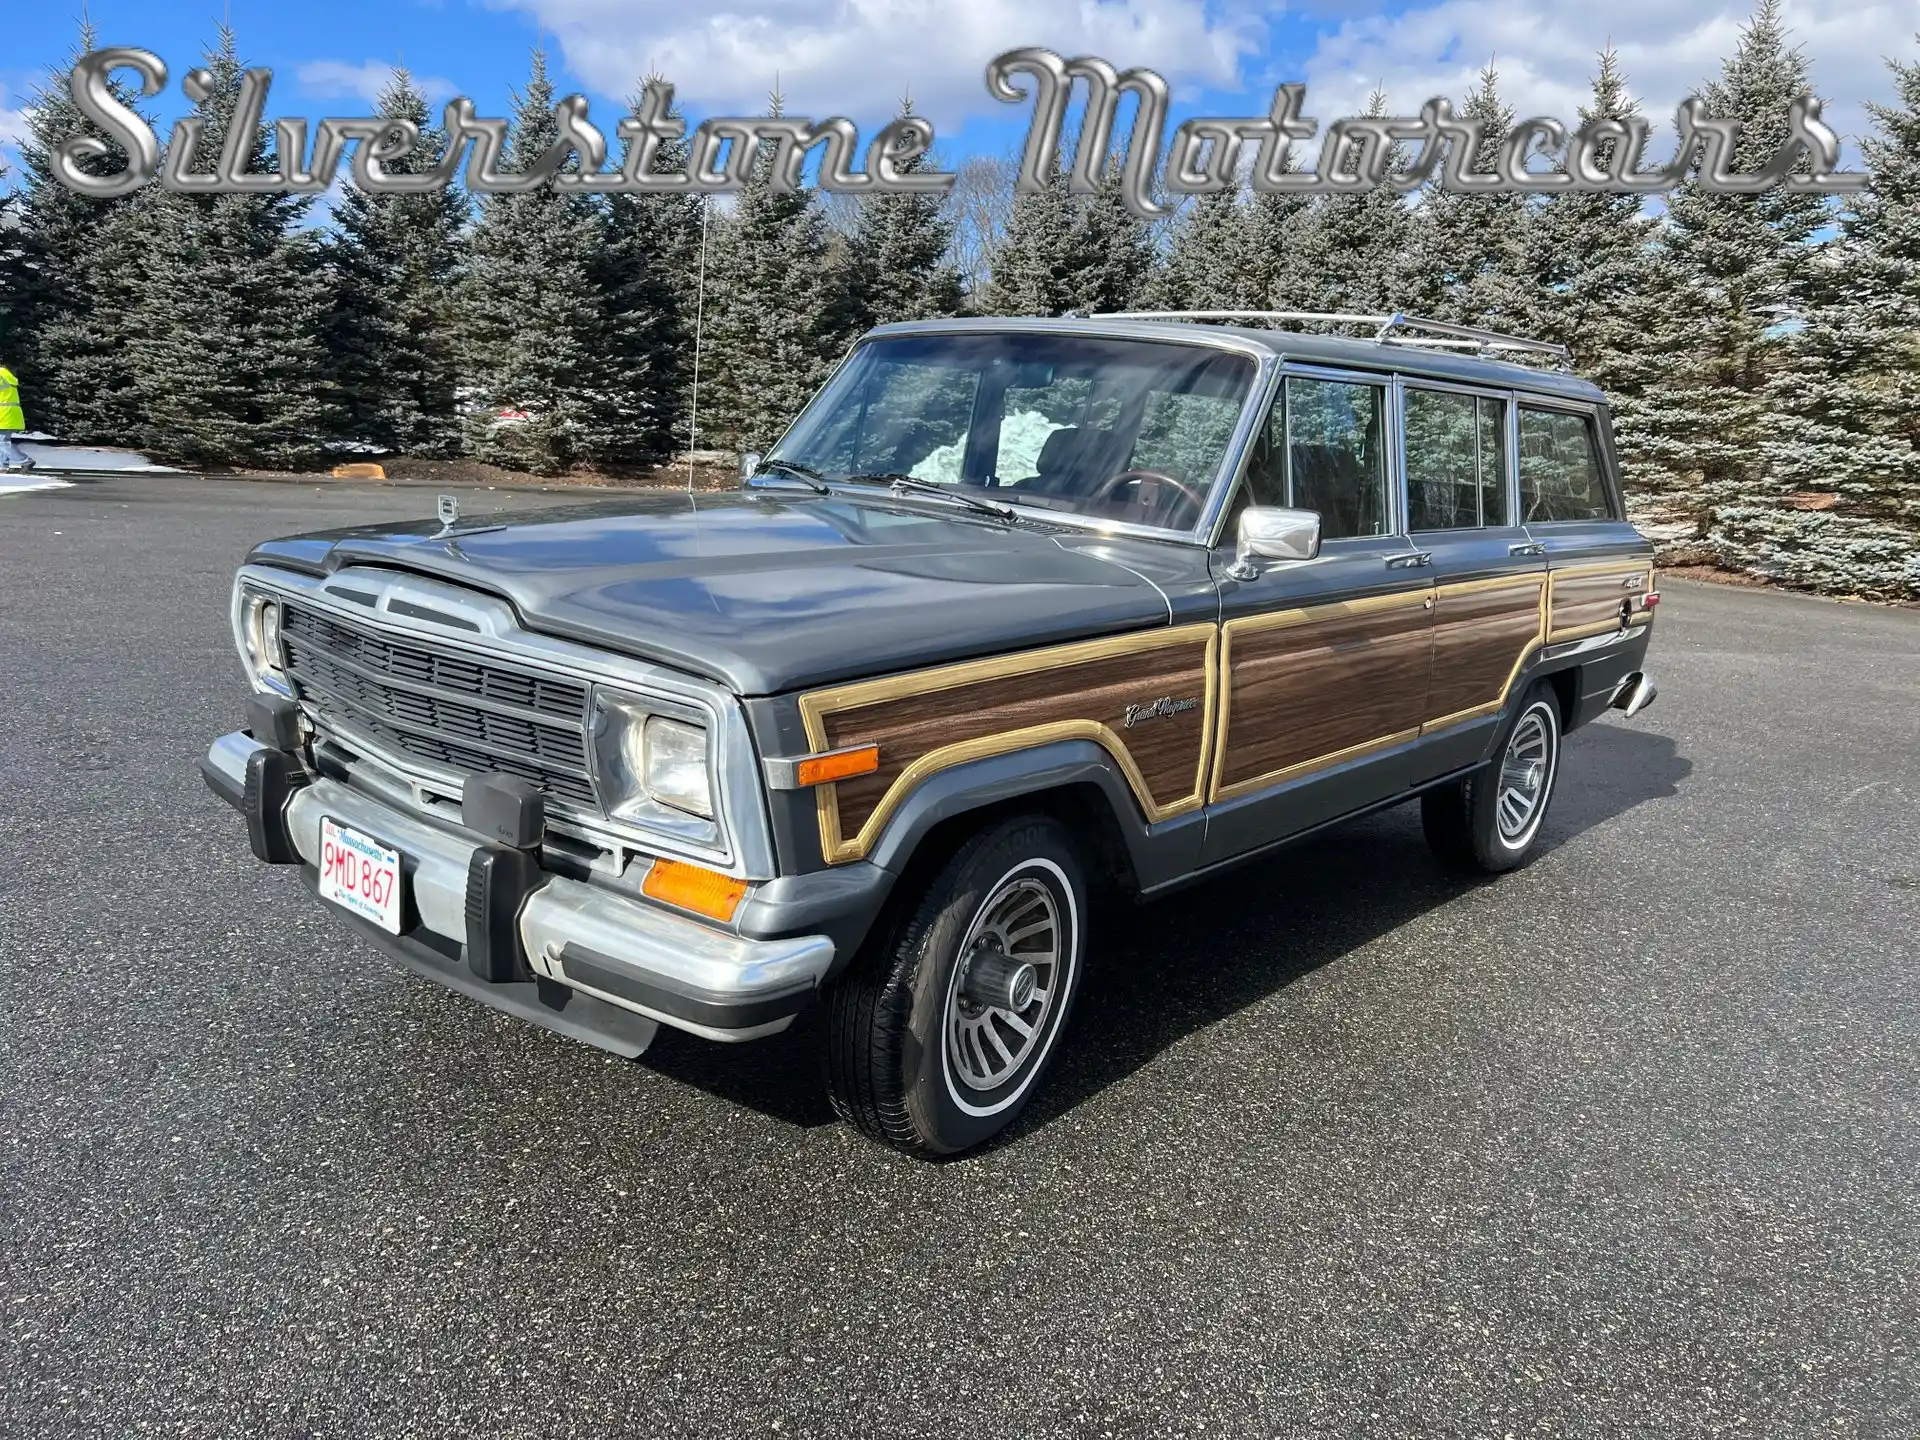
(1627, 1143)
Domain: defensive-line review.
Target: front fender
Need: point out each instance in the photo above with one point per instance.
(1153, 851)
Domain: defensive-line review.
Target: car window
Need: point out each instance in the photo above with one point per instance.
(1560, 468)
(1109, 428)
(1456, 460)
(1266, 478)
(914, 421)
(1030, 414)
(1184, 435)
(1336, 462)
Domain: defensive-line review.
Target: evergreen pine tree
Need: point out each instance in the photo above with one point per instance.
(1846, 404)
(1731, 274)
(224, 336)
(13, 275)
(75, 262)
(1116, 254)
(777, 317)
(1350, 251)
(1035, 267)
(531, 317)
(1582, 277)
(1207, 260)
(394, 264)
(646, 273)
(1271, 274)
(897, 256)
(1464, 239)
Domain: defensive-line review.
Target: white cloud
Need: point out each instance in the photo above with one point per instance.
(366, 80)
(856, 57)
(1545, 51)
(13, 121)
(13, 129)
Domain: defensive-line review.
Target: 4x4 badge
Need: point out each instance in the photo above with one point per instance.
(1155, 709)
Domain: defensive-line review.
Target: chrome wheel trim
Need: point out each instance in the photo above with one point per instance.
(984, 1048)
(1525, 776)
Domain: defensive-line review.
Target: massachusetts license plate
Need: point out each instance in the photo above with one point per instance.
(360, 874)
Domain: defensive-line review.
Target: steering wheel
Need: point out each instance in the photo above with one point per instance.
(1186, 492)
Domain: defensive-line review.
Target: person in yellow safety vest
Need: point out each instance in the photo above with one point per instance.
(12, 421)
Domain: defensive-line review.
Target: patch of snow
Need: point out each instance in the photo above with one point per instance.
(1022, 435)
(12, 483)
(56, 458)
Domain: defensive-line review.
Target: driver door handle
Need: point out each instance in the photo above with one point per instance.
(1527, 547)
(1410, 562)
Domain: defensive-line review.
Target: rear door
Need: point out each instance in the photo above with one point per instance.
(1570, 503)
(1489, 574)
(1324, 662)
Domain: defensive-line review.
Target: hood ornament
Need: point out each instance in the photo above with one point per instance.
(449, 509)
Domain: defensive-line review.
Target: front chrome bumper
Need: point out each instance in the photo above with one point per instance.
(592, 950)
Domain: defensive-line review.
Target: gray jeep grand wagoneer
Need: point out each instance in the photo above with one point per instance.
(1020, 616)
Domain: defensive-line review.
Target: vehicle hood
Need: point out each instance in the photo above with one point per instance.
(766, 591)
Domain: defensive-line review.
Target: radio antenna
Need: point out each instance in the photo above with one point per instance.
(699, 317)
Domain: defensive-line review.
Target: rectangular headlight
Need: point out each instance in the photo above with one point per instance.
(647, 760)
(676, 766)
(256, 620)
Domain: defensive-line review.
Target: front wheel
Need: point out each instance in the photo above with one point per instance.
(1490, 820)
(936, 1039)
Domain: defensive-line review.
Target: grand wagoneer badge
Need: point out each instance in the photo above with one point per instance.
(1156, 709)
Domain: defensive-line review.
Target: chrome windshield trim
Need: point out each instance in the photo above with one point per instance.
(1266, 365)
(745, 846)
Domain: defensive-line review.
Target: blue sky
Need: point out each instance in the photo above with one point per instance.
(855, 57)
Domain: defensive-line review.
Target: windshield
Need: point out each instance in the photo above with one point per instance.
(1111, 429)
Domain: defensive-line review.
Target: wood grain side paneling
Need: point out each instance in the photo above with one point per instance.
(928, 720)
(1311, 687)
(1482, 631)
(1587, 598)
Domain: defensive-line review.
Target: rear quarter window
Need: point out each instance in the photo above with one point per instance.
(1560, 474)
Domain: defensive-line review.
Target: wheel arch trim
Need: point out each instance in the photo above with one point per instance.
(1048, 767)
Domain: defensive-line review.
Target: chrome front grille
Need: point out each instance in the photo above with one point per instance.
(444, 707)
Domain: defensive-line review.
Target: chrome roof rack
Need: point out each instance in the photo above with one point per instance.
(1396, 329)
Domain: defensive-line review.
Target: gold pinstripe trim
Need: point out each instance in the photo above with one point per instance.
(817, 705)
(1619, 565)
(1622, 567)
(1332, 610)
(1384, 742)
(1584, 632)
(1534, 642)
(1280, 620)
(1320, 762)
(1216, 712)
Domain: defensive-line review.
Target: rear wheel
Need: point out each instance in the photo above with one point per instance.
(937, 1037)
(1490, 821)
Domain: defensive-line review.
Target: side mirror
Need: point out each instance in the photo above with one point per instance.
(1271, 532)
(749, 464)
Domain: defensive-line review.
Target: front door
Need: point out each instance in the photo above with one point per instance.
(1324, 662)
(1489, 574)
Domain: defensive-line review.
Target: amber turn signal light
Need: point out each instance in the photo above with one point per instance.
(840, 765)
(694, 887)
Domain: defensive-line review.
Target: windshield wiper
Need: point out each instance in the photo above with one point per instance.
(806, 474)
(901, 484)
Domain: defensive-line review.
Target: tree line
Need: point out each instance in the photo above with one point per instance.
(1762, 351)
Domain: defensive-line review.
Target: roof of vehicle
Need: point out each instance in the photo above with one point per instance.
(1340, 351)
